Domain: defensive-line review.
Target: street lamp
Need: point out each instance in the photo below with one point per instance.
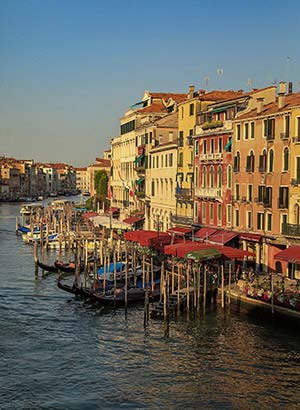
(157, 216)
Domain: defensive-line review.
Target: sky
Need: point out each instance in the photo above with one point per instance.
(69, 69)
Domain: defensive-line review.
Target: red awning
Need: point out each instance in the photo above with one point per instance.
(89, 214)
(181, 249)
(133, 220)
(178, 230)
(222, 237)
(204, 233)
(291, 254)
(143, 237)
(250, 237)
(233, 253)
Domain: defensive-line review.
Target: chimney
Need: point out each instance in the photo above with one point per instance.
(290, 87)
(260, 104)
(281, 100)
(191, 91)
(282, 87)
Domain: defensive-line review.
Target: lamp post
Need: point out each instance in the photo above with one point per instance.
(157, 216)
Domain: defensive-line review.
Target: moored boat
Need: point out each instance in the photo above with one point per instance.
(47, 268)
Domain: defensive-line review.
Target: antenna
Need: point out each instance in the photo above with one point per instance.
(220, 71)
(249, 83)
(206, 80)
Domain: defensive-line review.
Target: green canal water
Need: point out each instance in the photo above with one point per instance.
(58, 353)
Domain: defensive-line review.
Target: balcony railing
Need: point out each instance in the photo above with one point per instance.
(211, 157)
(140, 168)
(182, 220)
(214, 126)
(183, 193)
(208, 192)
(140, 194)
(290, 229)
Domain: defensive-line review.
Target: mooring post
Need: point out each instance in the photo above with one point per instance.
(35, 255)
(222, 287)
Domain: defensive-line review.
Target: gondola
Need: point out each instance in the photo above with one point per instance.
(47, 268)
(65, 267)
(134, 296)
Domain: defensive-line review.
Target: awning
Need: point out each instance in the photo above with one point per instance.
(139, 181)
(222, 108)
(204, 233)
(204, 254)
(228, 145)
(250, 237)
(114, 210)
(291, 254)
(222, 236)
(138, 159)
(146, 238)
(178, 230)
(133, 220)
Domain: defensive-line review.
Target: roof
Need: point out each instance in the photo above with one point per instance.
(222, 236)
(169, 121)
(291, 254)
(178, 230)
(165, 96)
(221, 95)
(103, 162)
(156, 107)
(291, 100)
(250, 237)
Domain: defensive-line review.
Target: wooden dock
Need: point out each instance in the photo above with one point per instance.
(176, 303)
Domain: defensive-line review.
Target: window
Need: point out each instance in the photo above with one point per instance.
(211, 173)
(260, 221)
(228, 214)
(298, 170)
(249, 220)
(298, 126)
(283, 200)
(237, 217)
(219, 213)
(237, 162)
(182, 112)
(212, 146)
(229, 177)
(180, 141)
(271, 161)
(191, 109)
(204, 147)
(250, 191)
(261, 193)
(153, 162)
(250, 162)
(157, 159)
(262, 167)
(287, 126)
(220, 145)
(246, 136)
(196, 177)
(269, 222)
(211, 212)
(284, 221)
(237, 192)
(203, 212)
(170, 160)
(220, 176)
(162, 161)
(196, 147)
(268, 196)
(180, 159)
(238, 132)
(152, 188)
(286, 154)
(252, 130)
(269, 128)
(204, 177)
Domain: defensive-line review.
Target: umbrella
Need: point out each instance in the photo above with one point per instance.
(203, 254)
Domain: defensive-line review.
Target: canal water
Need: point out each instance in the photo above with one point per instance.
(58, 353)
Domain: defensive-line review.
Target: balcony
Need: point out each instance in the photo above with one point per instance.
(211, 157)
(140, 194)
(290, 230)
(182, 220)
(284, 135)
(213, 127)
(140, 168)
(184, 193)
(213, 193)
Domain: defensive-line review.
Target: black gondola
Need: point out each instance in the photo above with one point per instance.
(47, 268)
(65, 267)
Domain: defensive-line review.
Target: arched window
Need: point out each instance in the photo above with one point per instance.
(286, 155)
(204, 176)
(220, 176)
(211, 176)
(271, 161)
(229, 176)
(237, 162)
(250, 162)
(196, 147)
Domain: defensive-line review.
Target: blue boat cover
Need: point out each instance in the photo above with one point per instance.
(110, 268)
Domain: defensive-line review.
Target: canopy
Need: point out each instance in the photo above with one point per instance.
(178, 230)
(133, 220)
(291, 254)
(250, 237)
(145, 238)
(222, 236)
(203, 254)
(138, 159)
(204, 233)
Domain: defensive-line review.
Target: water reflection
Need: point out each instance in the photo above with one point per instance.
(61, 353)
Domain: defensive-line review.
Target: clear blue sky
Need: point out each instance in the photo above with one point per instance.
(70, 68)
